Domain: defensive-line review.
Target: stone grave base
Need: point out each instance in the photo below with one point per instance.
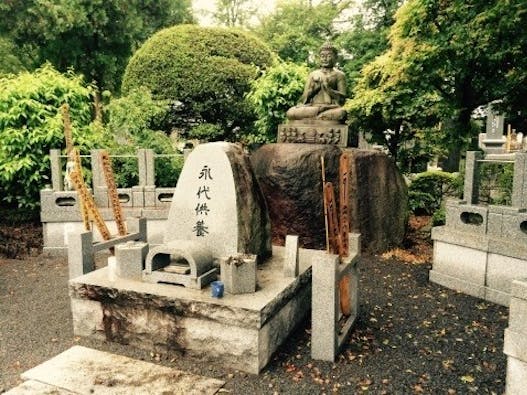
(82, 370)
(239, 331)
(477, 264)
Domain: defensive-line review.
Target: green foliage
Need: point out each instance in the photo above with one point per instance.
(439, 217)
(204, 72)
(95, 37)
(278, 89)
(368, 37)
(132, 120)
(206, 132)
(31, 124)
(445, 59)
(10, 63)
(427, 190)
(496, 183)
(296, 30)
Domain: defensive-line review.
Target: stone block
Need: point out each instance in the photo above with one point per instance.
(88, 317)
(515, 344)
(238, 331)
(80, 253)
(471, 186)
(518, 316)
(467, 218)
(519, 182)
(515, 227)
(519, 288)
(150, 195)
(164, 197)
(498, 297)
(460, 262)
(138, 196)
(130, 259)
(100, 195)
(495, 224)
(125, 197)
(326, 336)
(508, 248)
(291, 256)
(503, 270)
(516, 376)
(457, 284)
(32, 387)
(238, 273)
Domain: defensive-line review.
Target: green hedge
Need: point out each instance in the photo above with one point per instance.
(427, 190)
(204, 72)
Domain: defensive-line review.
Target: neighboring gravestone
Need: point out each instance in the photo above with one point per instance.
(494, 140)
(291, 179)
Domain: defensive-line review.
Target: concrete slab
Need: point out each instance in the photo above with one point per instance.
(82, 370)
(32, 387)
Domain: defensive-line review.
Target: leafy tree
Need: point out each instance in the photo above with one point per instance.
(31, 124)
(95, 37)
(297, 29)
(368, 36)
(233, 13)
(9, 61)
(445, 59)
(204, 72)
(278, 89)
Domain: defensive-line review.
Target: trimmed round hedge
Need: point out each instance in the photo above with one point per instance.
(208, 70)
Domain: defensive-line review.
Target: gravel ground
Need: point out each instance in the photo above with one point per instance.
(412, 336)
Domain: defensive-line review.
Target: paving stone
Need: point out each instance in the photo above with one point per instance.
(83, 370)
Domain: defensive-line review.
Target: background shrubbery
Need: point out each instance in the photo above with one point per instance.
(428, 190)
(31, 124)
(205, 73)
(278, 89)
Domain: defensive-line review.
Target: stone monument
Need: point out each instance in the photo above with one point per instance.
(218, 217)
(319, 117)
(218, 211)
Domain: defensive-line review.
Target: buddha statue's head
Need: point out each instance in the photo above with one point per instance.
(328, 55)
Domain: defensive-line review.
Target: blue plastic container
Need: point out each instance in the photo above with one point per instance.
(217, 289)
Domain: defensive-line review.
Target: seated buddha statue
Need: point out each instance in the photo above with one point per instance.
(324, 92)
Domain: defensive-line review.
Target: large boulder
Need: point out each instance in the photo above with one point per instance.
(291, 180)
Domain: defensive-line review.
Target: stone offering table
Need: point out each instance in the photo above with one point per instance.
(241, 331)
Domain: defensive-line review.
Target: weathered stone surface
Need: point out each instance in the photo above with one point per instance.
(83, 370)
(241, 331)
(291, 180)
(218, 203)
(32, 387)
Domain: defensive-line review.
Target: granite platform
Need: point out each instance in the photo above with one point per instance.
(240, 331)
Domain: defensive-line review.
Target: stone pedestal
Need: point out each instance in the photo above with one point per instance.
(515, 343)
(240, 331)
(313, 132)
